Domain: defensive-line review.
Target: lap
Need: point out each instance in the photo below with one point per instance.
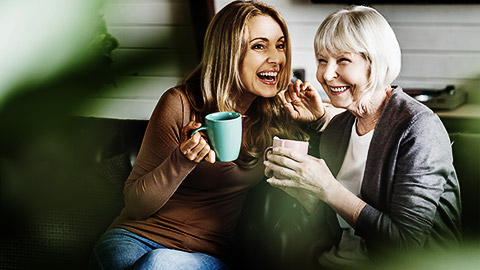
(119, 249)
(122, 249)
(170, 259)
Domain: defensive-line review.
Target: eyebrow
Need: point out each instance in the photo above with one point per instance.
(321, 55)
(335, 55)
(265, 39)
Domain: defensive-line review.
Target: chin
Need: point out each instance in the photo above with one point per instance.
(265, 92)
(270, 94)
(337, 104)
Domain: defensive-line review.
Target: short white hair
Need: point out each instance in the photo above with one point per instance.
(362, 30)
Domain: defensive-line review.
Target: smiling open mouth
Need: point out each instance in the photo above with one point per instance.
(338, 90)
(268, 77)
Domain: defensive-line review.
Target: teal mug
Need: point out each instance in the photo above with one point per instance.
(224, 130)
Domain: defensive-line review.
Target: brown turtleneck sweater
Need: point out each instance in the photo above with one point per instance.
(178, 203)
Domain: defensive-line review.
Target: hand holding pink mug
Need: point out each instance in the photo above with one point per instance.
(298, 146)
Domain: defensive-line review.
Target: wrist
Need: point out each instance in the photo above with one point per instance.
(332, 192)
(358, 209)
(321, 121)
(321, 113)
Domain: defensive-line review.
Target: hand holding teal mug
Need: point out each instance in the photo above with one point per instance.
(224, 130)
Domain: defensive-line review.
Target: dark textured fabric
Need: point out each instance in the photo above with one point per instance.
(410, 186)
(61, 231)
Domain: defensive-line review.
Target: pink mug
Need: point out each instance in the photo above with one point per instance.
(298, 146)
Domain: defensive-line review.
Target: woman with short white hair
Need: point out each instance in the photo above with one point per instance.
(386, 163)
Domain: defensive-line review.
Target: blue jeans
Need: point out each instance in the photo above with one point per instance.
(122, 249)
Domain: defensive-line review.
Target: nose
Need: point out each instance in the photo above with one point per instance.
(330, 71)
(275, 56)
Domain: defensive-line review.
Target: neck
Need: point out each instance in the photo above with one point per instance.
(367, 120)
(367, 123)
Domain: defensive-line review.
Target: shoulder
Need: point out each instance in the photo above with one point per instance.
(172, 104)
(401, 106)
(411, 123)
(174, 96)
(170, 115)
(403, 113)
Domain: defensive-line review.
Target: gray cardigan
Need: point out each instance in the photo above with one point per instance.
(410, 185)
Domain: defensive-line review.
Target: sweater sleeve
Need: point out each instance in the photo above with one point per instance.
(423, 167)
(160, 167)
(321, 123)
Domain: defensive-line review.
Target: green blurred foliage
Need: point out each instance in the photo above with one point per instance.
(465, 257)
(57, 53)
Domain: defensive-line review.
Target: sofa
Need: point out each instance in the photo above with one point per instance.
(64, 187)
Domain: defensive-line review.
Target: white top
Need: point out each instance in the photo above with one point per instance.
(351, 249)
(353, 166)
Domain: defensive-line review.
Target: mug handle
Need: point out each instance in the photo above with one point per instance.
(198, 129)
(269, 149)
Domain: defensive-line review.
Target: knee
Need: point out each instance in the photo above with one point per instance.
(116, 250)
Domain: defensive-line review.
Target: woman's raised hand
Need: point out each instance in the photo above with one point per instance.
(196, 147)
(303, 102)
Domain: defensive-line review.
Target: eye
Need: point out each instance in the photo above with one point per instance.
(344, 60)
(281, 46)
(322, 61)
(258, 47)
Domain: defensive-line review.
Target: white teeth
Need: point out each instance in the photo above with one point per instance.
(273, 74)
(338, 89)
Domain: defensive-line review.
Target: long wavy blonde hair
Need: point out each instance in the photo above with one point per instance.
(215, 84)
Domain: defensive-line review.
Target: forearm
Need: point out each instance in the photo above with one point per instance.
(345, 203)
(408, 222)
(147, 194)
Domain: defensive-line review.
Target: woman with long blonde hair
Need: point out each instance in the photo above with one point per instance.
(181, 205)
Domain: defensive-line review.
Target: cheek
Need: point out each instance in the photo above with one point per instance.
(360, 74)
(246, 77)
(249, 65)
(320, 72)
(245, 70)
(361, 80)
(283, 59)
